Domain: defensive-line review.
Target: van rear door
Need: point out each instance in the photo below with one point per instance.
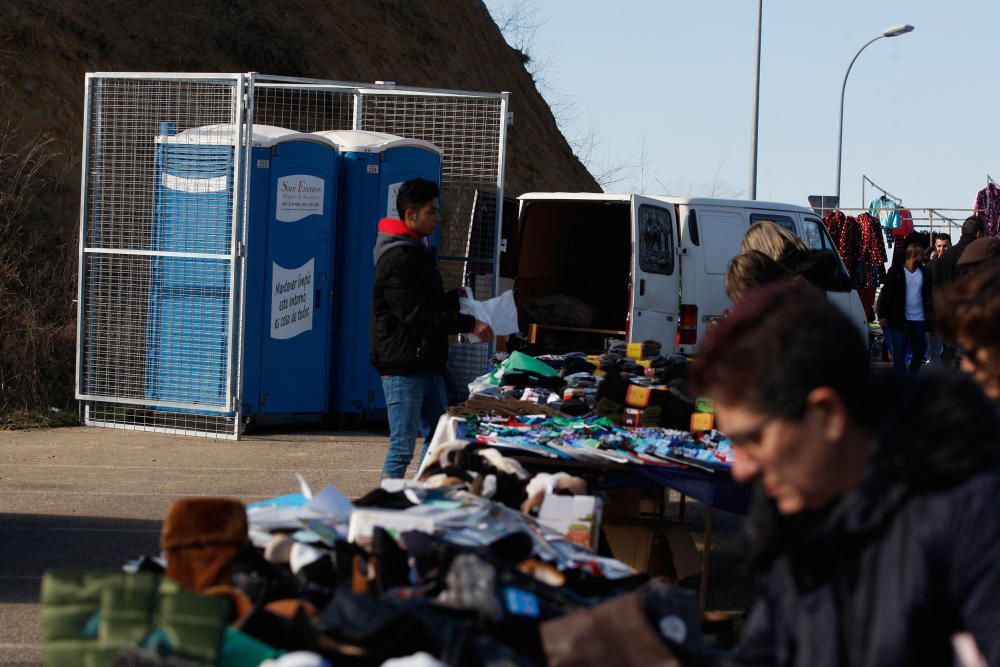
(655, 293)
(712, 236)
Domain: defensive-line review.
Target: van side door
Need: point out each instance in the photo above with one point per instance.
(655, 293)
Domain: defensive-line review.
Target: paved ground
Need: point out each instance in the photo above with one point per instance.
(90, 498)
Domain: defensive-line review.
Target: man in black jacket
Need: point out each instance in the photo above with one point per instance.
(905, 309)
(875, 531)
(411, 320)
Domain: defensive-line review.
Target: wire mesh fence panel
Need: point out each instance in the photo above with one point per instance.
(469, 131)
(303, 109)
(137, 418)
(158, 252)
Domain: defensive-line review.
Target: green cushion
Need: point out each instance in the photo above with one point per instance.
(131, 610)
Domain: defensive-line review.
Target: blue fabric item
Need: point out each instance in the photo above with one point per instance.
(92, 627)
(414, 404)
(887, 212)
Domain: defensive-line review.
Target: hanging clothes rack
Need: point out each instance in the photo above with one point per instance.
(988, 208)
(885, 193)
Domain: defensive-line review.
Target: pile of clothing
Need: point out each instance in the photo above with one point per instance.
(444, 569)
(631, 384)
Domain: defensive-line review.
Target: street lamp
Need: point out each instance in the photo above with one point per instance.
(892, 31)
(756, 108)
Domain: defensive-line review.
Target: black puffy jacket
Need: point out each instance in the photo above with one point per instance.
(946, 270)
(412, 316)
(905, 560)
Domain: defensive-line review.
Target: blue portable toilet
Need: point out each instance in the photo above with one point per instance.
(287, 313)
(373, 166)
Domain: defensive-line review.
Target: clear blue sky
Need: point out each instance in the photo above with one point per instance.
(668, 84)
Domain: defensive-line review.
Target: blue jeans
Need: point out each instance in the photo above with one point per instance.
(413, 403)
(910, 339)
(935, 348)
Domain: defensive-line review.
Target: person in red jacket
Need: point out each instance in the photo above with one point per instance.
(411, 320)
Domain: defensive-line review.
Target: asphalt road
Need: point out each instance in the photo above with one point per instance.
(95, 498)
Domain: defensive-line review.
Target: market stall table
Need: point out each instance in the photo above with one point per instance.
(713, 486)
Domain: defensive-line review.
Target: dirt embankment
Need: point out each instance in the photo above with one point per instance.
(46, 47)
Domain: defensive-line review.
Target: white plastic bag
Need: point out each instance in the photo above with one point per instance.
(499, 312)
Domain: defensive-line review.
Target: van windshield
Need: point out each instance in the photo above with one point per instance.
(816, 236)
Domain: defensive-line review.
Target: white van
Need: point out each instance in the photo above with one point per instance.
(646, 267)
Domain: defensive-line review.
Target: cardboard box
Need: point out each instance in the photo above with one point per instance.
(576, 517)
(665, 550)
(702, 421)
(633, 502)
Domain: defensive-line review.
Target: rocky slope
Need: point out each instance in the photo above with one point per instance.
(46, 47)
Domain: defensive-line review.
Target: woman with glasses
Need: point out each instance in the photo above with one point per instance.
(875, 533)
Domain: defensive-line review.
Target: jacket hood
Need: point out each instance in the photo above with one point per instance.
(393, 233)
(937, 431)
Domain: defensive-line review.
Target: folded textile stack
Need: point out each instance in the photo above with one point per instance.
(630, 384)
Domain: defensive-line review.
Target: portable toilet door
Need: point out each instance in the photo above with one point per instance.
(290, 270)
(373, 167)
(187, 318)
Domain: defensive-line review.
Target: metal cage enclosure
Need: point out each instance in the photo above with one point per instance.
(161, 288)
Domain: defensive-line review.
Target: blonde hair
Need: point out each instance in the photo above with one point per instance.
(770, 239)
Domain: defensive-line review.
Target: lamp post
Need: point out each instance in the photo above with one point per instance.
(893, 31)
(756, 108)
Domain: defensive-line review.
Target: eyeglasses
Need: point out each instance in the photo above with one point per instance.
(751, 436)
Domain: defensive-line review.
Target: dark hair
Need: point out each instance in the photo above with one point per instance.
(941, 236)
(973, 225)
(915, 250)
(778, 344)
(414, 193)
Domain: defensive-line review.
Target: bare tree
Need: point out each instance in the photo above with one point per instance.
(721, 188)
(519, 21)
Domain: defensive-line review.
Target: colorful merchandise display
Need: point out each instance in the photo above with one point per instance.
(598, 438)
